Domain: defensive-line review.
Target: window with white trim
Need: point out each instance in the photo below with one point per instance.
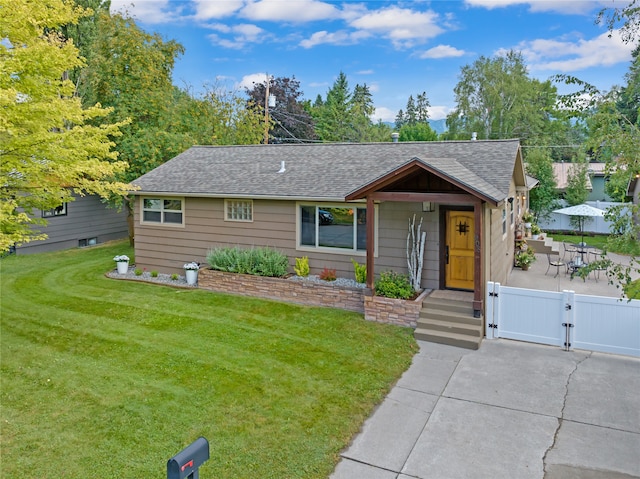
(238, 210)
(57, 211)
(166, 211)
(504, 220)
(511, 211)
(338, 227)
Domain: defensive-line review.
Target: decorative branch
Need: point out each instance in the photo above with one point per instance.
(415, 252)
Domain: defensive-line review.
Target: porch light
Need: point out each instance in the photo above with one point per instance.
(428, 206)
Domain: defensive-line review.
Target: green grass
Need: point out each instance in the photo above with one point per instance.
(103, 378)
(597, 241)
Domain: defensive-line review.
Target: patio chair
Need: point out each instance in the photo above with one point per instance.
(555, 262)
(568, 248)
(597, 257)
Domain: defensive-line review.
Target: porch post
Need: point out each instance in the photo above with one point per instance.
(477, 260)
(370, 241)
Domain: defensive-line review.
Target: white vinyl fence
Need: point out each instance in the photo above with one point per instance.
(563, 319)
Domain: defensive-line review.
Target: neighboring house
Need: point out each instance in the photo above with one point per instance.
(335, 202)
(86, 221)
(596, 179)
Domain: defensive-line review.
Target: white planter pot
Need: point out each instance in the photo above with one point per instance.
(123, 267)
(192, 276)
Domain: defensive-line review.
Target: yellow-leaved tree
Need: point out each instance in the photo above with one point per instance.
(50, 146)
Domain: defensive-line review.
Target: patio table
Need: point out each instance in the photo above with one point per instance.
(582, 248)
(574, 266)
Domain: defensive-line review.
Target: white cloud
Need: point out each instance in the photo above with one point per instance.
(249, 80)
(402, 26)
(241, 35)
(578, 7)
(297, 11)
(365, 72)
(442, 51)
(439, 112)
(341, 37)
(383, 113)
(564, 55)
(150, 11)
(206, 9)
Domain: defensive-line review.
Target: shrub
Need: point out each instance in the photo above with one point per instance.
(328, 274)
(154, 274)
(138, 272)
(394, 285)
(360, 271)
(256, 261)
(302, 266)
(174, 277)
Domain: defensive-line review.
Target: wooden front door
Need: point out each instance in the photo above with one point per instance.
(459, 249)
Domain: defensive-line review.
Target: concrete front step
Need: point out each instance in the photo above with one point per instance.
(431, 324)
(452, 339)
(448, 305)
(449, 321)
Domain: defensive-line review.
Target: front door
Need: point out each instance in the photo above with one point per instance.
(459, 249)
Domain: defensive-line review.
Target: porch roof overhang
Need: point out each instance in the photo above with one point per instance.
(473, 194)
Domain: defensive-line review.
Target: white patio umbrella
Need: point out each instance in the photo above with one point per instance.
(581, 211)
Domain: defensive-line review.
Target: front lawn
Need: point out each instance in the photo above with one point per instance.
(103, 378)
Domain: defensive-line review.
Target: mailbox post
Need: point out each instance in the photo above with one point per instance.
(185, 464)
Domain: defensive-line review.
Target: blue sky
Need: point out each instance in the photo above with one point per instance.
(398, 48)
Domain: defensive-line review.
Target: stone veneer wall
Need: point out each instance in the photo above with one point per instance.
(375, 308)
(394, 311)
(301, 292)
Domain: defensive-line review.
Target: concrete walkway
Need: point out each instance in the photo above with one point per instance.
(507, 410)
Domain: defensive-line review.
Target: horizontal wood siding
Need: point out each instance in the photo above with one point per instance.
(166, 248)
(392, 240)
(501, 247)
(87, 217)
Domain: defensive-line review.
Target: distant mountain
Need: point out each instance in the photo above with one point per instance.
(439, 126)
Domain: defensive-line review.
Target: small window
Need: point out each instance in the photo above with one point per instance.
(82, 243)
(57, 211)
(238, 210)
(162, 211)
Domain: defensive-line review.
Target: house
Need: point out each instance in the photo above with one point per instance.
(86, 221)
(596, 179)
(335, 202)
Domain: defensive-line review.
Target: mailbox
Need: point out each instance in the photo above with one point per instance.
(185, 464)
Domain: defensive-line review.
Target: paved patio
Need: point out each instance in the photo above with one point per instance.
(536, 278)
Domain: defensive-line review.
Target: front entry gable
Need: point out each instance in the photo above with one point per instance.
(429, 179)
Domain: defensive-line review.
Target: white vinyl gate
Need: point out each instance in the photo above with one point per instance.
(563, 319)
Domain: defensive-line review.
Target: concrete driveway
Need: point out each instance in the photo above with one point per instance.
(507, 410)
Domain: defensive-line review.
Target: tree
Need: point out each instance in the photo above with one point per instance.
(576, 191)
(542, 198)
(410, 115)
(496, 98)
(50, 146)
(333, 120)
(361, 109)
(417, 132)
(291, 121)
(422, 108)
(399, 121)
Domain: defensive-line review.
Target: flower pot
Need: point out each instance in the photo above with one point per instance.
(527, 225)
(123, 267)
(192, 276)
(525, 267)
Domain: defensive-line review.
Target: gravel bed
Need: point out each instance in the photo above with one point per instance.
(339, 282)
(146, 277)
(182, 280)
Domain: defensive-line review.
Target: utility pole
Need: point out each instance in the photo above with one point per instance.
(269, 100)
(266, 113)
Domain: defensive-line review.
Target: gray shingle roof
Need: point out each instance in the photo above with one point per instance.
(331, 170)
